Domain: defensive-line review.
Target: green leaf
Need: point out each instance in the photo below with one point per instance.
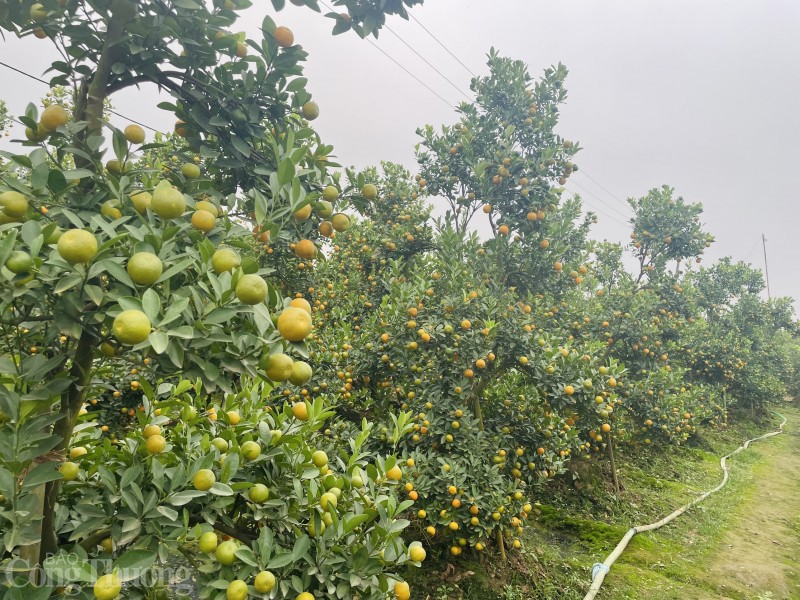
(285, 171)
(134, 563)
(221, 489)
(159, 341)
(41, 473)
(151, 304)
(184, 497)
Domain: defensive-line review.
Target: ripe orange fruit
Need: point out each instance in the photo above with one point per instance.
(54, 116)
(284, 37)
(300, 411)
(326, 228)
(569, 390)
(294, 324)
(605, 427)
(544, 244)
(304, 214)
(503, 230)
(401, 590)
(134, 134)
(203, 220)
(394, 474)
(305, 249)
(155, 444)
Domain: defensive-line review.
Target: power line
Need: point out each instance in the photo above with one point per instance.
(601, 211)
(391, 58)
(414, 50)
(582, 171)
(28, 75)
(442, 44)
(610, 206)
(422, 83)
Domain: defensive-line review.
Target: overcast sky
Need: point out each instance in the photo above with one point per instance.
(698, 94)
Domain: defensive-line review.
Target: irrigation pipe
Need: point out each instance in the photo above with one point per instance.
(599, 570)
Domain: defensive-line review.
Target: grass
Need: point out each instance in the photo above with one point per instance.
(579, 520)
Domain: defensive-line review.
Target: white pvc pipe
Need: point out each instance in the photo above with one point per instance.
(599, 570)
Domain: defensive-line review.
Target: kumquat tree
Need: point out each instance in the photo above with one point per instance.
(232, 367)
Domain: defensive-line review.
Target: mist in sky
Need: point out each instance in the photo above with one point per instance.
(700, 95)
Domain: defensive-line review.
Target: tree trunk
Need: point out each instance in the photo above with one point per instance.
(614, 476)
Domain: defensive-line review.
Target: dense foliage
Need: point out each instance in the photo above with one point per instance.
(227, 364)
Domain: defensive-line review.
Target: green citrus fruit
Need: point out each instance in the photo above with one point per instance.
(237, 590)
(279, 366)
(131, 327)
(167, 202)
(324, 208)
(329, 194)
(107, 587)
(369, 191)
(220, 444)
(341, 222)
(258, 493)
(190, 171)
(225, 259)
(108, 350)
(110, 209)
(77, 246)
(19, 262)
(301, 372)
(14, 204)
(319, 458)
(38, 13)
(141, 201)
(204, 479)
(328, 501)
(54, 235)
(251, 289)
(310, 110)
(226, 552)
(116, 167)
(209, 206)
(145, 268)
(264, 582)
(68, 470)
(251, 450)
(208, 542)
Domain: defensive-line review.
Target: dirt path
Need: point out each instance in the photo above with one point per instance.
(760, 554)
(741, 544)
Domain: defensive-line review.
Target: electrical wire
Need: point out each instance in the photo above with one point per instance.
(470, 71)
(582, 171)
(425, 60)
(610, 206)
(120, 115)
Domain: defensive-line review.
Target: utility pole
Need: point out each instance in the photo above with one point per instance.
(766, 267)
